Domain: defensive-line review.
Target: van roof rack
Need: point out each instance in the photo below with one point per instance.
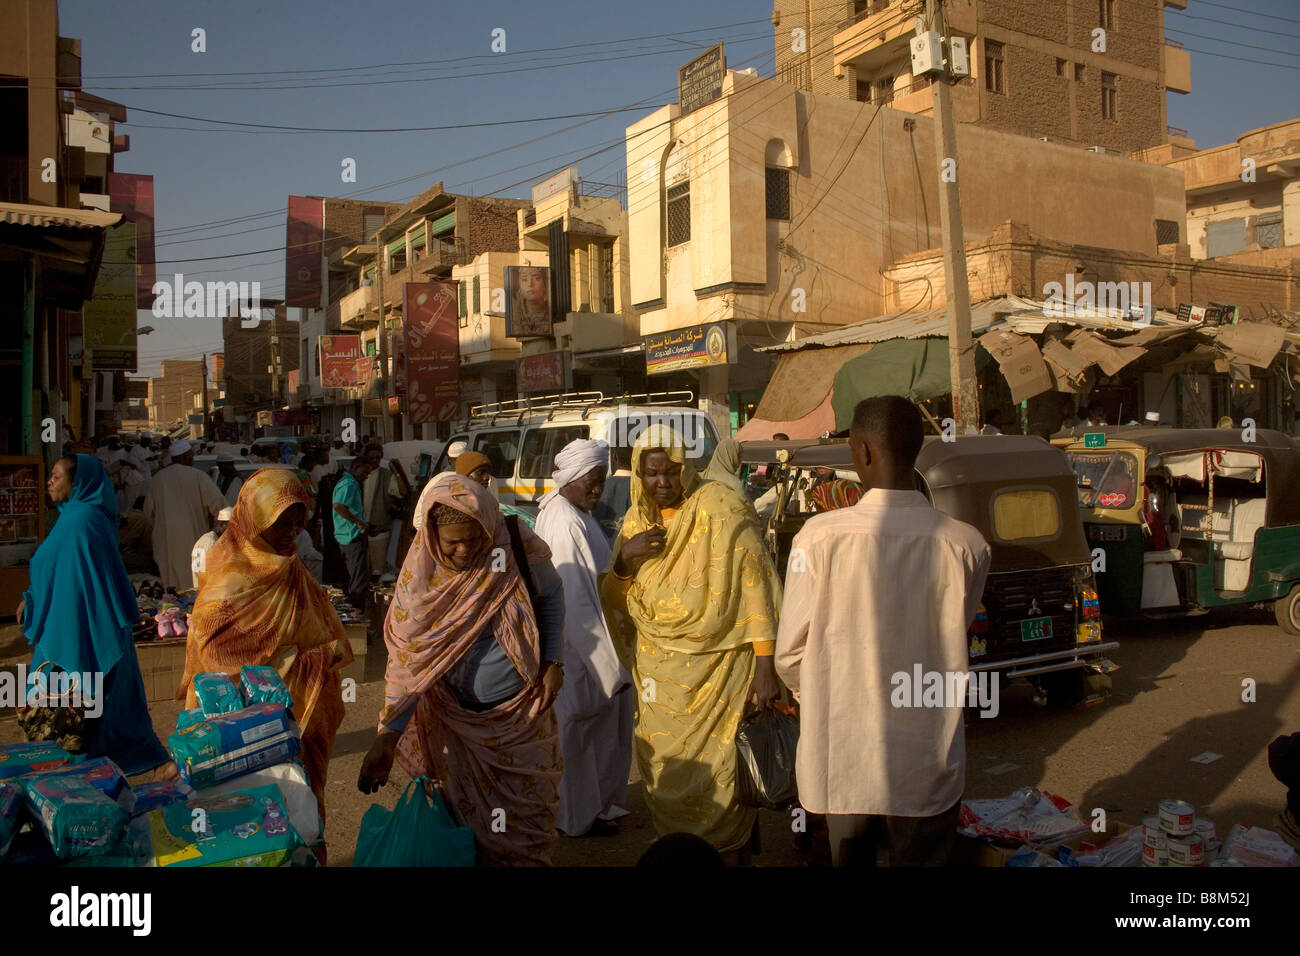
(521, 408)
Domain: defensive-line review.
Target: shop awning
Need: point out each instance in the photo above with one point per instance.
(67, 244)
(49, 217)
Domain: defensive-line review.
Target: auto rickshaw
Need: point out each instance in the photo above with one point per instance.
(1192, 519)
(1039, 617)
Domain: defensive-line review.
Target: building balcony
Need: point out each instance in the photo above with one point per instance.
(1178, 68)
(439, 257)
(876, 37)
(357, 310)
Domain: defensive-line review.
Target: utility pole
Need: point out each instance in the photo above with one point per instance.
(961, 353)
(207, 422)
(385, 426)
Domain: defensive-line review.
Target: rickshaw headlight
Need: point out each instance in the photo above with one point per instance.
(1088, 632)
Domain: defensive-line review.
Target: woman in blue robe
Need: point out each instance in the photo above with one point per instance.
(80, 611)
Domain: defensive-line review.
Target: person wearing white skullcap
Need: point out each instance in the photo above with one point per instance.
(198, 556)
(594, 709)
(180, 506)
(228, 479)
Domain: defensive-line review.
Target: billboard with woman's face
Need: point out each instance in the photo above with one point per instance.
(528, 301)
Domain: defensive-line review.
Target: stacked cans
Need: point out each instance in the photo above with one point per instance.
(1175, 837)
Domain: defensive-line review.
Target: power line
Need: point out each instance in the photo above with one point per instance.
(1253, 13)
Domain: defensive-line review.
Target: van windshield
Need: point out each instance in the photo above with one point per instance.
(696, 429)
(1106, 480)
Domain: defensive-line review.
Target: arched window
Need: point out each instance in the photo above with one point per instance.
(677, 196)
(778, 161)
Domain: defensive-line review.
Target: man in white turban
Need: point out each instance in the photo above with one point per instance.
(594, 708)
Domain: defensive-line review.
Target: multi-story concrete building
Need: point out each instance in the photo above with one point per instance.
(421, 241)
(1243, 198)
(256, 363)
(172, 394)
(774, 213)
(1083, 72)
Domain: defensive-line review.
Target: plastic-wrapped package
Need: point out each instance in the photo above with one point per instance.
(101, 773)
(1255, 846)
(188, 718)
(76, 819)
(1027, 816)
(19, 759)
(217, 694)
(295, 790)
(231, 745)
(244, 828)
(160, 793)
(263, 685)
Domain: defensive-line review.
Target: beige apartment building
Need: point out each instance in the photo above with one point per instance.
(776, 212)
(172, 394)
(1243, 198)
(1088, 73)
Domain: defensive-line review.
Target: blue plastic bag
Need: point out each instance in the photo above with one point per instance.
(418, 831)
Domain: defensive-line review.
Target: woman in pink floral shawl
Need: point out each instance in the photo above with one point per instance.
(478, 672)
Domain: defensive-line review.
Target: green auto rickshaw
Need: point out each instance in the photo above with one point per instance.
(1185, 520)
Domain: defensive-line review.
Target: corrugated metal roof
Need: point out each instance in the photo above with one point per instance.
(1021, 315)
(20, 214)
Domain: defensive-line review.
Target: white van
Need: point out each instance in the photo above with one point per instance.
(521, 438)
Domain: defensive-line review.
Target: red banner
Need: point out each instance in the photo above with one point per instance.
(540, 373)
(341, 363)
(432, 351)
(132, 196)
(304, 242)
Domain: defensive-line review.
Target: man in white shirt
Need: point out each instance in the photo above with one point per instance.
(882, 588)
(181, 505)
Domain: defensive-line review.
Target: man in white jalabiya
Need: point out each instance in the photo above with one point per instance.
(594, 708)
(180, 506)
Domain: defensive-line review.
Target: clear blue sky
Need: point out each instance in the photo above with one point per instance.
(562, 57)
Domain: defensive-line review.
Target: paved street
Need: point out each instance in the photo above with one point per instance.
(1177, 695)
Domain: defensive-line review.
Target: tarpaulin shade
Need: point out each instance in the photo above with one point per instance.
(443, 223)
(803, 380)
(915, 368)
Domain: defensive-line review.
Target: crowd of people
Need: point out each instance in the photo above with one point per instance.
(528, 666)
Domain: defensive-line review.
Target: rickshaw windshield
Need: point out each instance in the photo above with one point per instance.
(1105, 480)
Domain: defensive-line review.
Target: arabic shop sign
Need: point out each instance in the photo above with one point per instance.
(700, 81)
(694, 347)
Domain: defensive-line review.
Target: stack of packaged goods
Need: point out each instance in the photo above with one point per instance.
(241, 798)
(252, 797)
(163, 615)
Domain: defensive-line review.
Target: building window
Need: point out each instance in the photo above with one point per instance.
(1166, 232)
(1060, 67)
(460, 288)
(1225, 237)
(1268, 231)
(397, 261)
(679, 213)
(1108, 96)
(863, 92)
(885, 87)
(994, 78)
(1106, 14)
(778, 194)
(476, 296)
(1078, 72)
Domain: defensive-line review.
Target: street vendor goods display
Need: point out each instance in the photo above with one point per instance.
(101, 773)
(246, 828)
(262, 685)
(16, 760)
(75, 818)
(217, 694)
(233, 744)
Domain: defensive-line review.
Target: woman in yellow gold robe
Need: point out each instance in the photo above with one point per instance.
(691, 599)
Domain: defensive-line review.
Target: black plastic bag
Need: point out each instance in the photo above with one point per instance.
(765, 749)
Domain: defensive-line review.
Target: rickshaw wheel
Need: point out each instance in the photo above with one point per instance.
(1287, 611)
(1064, 688)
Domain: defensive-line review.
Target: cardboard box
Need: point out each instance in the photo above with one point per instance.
(162, 664)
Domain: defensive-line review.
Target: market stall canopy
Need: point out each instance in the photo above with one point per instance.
(917, 369)
(67, 245)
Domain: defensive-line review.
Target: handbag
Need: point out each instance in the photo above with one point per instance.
(418, 831)
(59, 720)
(765, 750)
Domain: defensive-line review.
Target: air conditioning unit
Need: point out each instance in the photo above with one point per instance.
(366, 282)
(1104, 150)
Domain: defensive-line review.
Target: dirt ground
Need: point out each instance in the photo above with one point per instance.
(1177, 695)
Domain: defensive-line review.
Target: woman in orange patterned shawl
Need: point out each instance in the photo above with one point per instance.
(462, 635)
(258, 604)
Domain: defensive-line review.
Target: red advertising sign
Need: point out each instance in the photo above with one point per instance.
(304, 242)
(432, 351)
(132, 196)
(341, 363)
(541, 373)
